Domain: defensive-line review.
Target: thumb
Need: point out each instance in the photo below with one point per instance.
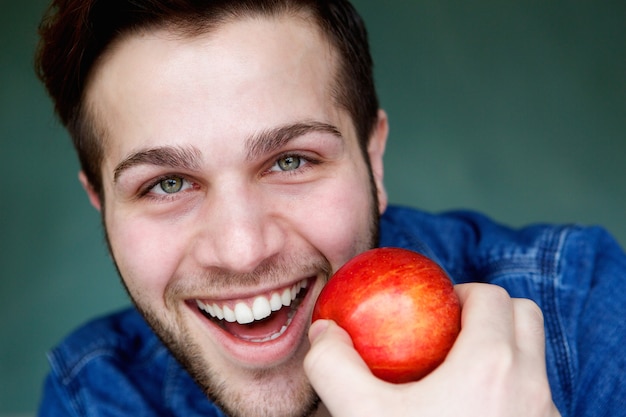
(337, 372)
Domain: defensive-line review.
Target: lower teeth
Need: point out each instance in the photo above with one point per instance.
(282, 330)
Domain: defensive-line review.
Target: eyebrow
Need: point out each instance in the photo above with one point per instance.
(170, 156)
(270, 140)
(262, 143)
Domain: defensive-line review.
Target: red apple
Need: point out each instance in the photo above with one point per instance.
(399, 308)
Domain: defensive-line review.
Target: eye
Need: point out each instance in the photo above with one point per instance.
(170, 185)
(288, 163)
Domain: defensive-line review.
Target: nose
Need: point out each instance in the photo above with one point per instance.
(240, 229)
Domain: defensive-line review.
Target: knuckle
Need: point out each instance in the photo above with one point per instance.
(529, 319)
(496, 295)
(499, 294)
(529, 309)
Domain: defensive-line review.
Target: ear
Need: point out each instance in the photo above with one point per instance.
(376, 150)
(94, 199)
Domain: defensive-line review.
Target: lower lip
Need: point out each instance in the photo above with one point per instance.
(272, 352)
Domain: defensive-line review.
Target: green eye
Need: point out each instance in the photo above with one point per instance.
(289, 163)
(171, 185)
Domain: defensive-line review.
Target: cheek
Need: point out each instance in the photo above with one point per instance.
(145, 254)
(337, 220)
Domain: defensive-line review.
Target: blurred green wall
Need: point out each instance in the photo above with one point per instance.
(516, 109)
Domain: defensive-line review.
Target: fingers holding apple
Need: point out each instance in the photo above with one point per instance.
(495, 367)
(340, 376)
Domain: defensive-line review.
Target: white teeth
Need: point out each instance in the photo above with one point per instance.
(261, 308)
(275, 302)
(243, 314)
(229, 315)
(218, 312)
(286, 297)
(209, 309)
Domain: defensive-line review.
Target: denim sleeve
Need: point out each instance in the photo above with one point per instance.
(115, 366)
(592, 305)
(55, 402)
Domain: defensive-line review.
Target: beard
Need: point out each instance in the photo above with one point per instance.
(282, 390)
(278, 391)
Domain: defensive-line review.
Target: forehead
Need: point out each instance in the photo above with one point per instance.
(245, 66)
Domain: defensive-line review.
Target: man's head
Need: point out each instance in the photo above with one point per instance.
(237, 175)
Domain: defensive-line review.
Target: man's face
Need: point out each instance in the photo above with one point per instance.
(234, 187)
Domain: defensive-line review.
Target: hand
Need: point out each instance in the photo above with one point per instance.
(496, 367)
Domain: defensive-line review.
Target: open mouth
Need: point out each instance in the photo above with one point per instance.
(259, 319)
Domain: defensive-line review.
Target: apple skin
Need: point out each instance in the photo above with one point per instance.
(399, 308)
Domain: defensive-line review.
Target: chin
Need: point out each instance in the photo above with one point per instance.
(273, 389)
(281, 390)
(284, 391)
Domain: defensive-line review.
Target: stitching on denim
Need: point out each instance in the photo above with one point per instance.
(552, 246)
(78, 366)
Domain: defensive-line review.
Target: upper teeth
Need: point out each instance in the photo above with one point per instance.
(260, 308)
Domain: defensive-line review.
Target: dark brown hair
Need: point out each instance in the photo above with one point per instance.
(74, 33)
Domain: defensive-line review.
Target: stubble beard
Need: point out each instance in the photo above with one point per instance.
(294, 396)
(280, 390)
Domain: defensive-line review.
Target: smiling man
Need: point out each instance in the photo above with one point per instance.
(231, 182)
(219, 223)
(235, 152)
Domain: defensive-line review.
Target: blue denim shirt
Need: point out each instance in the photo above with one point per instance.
(116, 366)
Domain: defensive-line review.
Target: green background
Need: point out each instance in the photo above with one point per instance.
(513, 108)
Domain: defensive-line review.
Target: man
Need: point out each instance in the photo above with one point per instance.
(234, 149)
